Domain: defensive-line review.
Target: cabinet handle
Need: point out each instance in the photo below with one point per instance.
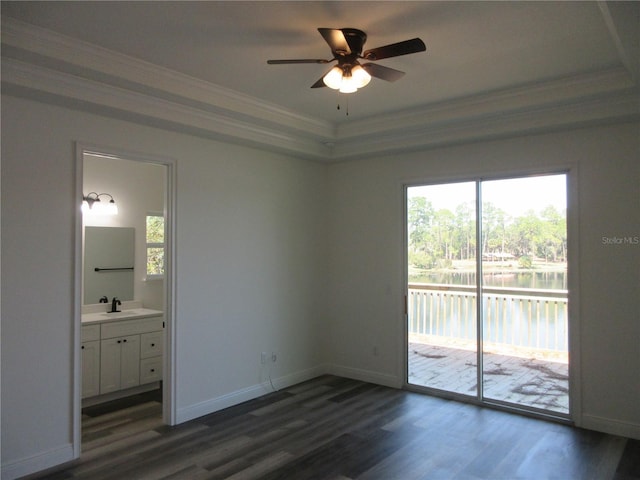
(124, 341)
(82, 347)
(153, 370)
(153, 344)
(119, 341)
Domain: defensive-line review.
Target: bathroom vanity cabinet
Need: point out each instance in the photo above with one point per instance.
(121, 352)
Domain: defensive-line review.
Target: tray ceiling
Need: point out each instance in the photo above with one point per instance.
(477, 52)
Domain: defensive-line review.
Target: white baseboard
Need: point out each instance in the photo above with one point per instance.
(366, 376)
(298, 377)
(613, 427)
(234, 398)
(38, 462)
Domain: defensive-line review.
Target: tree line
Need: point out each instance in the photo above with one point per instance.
(438, 237)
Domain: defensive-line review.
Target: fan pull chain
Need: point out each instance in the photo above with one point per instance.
(347, 101)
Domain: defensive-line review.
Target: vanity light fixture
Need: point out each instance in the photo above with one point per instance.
(91, 203)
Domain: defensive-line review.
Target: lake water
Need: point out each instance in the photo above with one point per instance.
(529, 279)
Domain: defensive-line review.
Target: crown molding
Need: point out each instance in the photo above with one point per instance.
(43, 65)
(518, 99)
(100, 98)
(622, 107)
(154, 79)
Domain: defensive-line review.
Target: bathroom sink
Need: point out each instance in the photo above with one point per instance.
(133, 313)
(124, 313)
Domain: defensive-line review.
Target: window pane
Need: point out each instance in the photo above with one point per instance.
(155, 229)
(155, 261)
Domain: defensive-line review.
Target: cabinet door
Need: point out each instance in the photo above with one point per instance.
(90, 368)
(130, 361)
(110, 365)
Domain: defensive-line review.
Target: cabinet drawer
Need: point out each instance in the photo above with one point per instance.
(90, 333)
(130, 327)
(151, 344)
(150, 370)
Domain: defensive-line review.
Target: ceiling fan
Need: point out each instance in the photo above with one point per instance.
(346, 47)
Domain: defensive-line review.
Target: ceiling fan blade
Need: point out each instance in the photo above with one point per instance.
(385, 73)
(336, 40)
(319, 83)
(414, 45)
(295, 61)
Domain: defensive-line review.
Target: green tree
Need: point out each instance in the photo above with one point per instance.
(439, 237)
(465, 231)
(493, 228)
(528, 233)
(444, 228)
(554, 233)
(155, 229)
(420, 217)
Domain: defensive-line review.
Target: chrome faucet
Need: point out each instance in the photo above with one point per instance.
(114, 305)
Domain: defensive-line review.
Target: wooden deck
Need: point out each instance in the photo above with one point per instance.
(523, 381)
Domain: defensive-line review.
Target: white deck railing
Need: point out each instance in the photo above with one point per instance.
(513, 317)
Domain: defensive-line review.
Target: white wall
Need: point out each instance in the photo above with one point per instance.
(366, 255)
(251, 274)
(138, 189)
(250, 270)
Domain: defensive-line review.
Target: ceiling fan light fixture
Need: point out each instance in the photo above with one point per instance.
(348, 88)
(349, 84)
(347, 79)
(333, 79)
(360, 76)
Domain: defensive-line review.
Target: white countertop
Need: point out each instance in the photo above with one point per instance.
(92, 314)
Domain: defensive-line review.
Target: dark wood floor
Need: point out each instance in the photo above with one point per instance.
(335, 428)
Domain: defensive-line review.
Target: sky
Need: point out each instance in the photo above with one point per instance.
(514, 196)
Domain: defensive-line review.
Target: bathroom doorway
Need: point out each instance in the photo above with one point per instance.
(124, 295)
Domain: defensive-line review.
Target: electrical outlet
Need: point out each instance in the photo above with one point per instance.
(263, 358)
(274, 357)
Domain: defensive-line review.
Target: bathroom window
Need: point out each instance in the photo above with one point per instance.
(155, 245)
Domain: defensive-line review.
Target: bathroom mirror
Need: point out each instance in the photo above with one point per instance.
(109, 254)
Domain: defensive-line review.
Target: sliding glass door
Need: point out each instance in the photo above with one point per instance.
(443, 347)
(524, 292)
(487, 290)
